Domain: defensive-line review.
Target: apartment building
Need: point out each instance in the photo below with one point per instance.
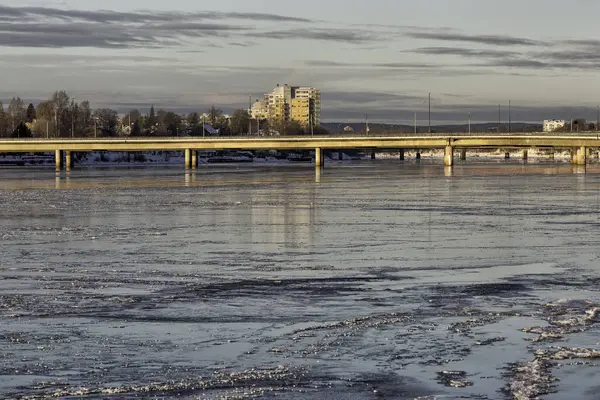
(290, 103)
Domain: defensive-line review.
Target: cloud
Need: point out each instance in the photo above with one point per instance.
(331, 35)
(465, 52)
(103, 16)
(491, 40)
(341, 64)
(60, 28)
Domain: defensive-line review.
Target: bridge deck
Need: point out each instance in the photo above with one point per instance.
(297, 143)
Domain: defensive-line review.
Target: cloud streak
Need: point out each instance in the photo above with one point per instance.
(60, 28)
(491, 40)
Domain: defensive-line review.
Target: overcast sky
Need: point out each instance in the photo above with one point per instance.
(380, 57)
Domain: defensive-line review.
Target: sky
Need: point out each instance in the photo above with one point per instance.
(377, 57)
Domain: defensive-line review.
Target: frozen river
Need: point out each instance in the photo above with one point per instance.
(366, 281)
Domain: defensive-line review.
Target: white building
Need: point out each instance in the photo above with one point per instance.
(550, 125)
(259, 110)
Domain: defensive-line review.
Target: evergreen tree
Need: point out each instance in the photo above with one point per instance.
(3, 122)
(151, 121)
(30, 114)
(22, 131)
(136, 130)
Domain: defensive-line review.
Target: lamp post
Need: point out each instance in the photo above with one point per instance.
(509, 117)
(430, 113)
(469, 123)
(73, 119)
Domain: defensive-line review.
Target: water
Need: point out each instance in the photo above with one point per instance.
(364, 281)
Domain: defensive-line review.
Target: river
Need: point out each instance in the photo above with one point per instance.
(368, 280)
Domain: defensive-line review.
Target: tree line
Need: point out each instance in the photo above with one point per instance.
(62, 116)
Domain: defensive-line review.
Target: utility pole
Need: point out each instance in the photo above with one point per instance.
(415, 122)
(73, 120)
(571, 124)
(249, 115)
(499, 119)
(429, 112)
(509, 117)
(469, 123)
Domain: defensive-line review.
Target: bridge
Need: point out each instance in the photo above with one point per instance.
(579, 145)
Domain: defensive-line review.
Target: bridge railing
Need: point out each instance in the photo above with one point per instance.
(322, 136)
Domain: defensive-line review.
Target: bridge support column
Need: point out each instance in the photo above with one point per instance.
(574, 155)
(507, 155)
(463, 154)
(68, 161)
(401, 154)
(525, 154)
(581, 156)
(194, 159)
(418, 157)
(448, 156)
(372, 155)
(188, 158)
(58, 159)
(340, 155)
(319, 157)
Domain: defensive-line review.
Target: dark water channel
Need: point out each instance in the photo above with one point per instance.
(366, 281)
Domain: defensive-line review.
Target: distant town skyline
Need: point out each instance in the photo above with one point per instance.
(381, 60)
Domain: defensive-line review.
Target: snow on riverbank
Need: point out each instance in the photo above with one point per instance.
(177, 157)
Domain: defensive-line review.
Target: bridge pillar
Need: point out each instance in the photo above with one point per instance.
(372, 155)
(188, 158)
(463, 154)
(319, 157)
(194, 159)
(581, 156)
(525, 154)
(418, 157)
(68, 161)
(340, 155)
(448, 156)
(401, 154)
(507, 155)
(574, 155)
(58, 159)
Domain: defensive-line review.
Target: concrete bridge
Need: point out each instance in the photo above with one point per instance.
(579, 145)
